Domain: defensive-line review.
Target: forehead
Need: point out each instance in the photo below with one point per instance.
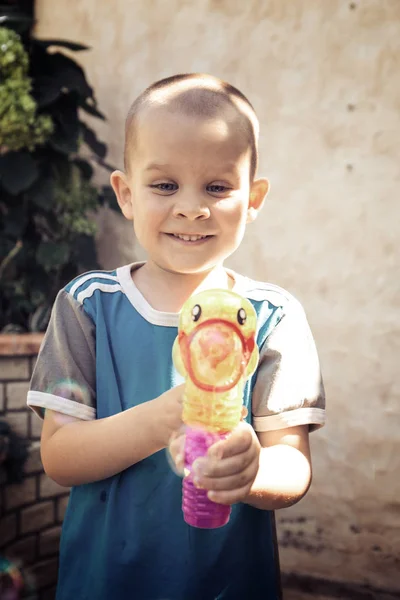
(164, 135)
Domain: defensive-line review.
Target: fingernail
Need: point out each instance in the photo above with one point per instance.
(197, 483)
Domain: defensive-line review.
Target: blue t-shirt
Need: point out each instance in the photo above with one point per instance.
(106, 350)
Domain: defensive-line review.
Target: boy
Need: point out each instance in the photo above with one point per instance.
(111, 396)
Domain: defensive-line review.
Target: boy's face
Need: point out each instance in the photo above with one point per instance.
(188, 190)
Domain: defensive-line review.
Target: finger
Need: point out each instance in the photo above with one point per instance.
(177, 442)
(238, 442)
(229, 497)
(245, 412)
(177, 463)
(177, 447)
(213, 468)
(229, 483)
(176, 451)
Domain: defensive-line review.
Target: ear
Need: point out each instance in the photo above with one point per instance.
(123, 192)
(258, 191)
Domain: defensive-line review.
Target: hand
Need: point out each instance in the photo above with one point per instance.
(176, 451)
(176, 446)
(230, 467)
(170, 411)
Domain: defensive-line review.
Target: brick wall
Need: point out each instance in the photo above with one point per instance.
(31, 512)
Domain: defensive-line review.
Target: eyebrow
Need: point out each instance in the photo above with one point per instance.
(229, 169)
(156, 166)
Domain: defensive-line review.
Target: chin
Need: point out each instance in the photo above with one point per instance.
(188, 269)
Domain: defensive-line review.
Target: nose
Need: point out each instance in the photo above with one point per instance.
(191, 208)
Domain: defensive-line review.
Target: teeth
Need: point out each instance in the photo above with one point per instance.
(189, 238)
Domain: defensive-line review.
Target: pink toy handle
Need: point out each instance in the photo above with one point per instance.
(198, 510)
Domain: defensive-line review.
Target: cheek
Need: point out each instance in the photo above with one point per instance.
(233, 214)
(148, 214)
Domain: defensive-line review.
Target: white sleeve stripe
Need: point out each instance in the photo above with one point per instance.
(93, 275)
(290, 418)
(62, 405)
(104, 287)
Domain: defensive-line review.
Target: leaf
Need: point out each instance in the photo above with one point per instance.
(62, 44)
(91, 110)
(108, 198)
(42, 192)
(91, 140)
(68, 74)
(85, 253)
(65, 142)
(39, 320)
(18, 171)
(15, 20)
(51, 255)
(55, 75)
(85, 167)
(61, 167)
(104, 164)
(12, 328)
(65, 138)
(46, 90)
(16, 220)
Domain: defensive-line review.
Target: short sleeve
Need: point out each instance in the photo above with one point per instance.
(288, 390)
(64, 377)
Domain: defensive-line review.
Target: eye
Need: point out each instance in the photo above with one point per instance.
(165, 187)
(217, 189)
(196, 312)
(241, 316)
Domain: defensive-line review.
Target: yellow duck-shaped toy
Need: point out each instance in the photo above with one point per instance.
(215, 351)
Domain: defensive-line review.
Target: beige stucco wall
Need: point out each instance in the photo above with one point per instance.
(324, 78)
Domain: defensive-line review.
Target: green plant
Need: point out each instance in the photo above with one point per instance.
(20, 125)
(46, 193)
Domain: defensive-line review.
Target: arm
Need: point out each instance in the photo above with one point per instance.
(284, 472)
(269, 472)
(76, 447)
(75, 451)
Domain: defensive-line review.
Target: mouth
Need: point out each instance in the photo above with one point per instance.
(191, 238)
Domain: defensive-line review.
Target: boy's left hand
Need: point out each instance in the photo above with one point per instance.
(230, 467)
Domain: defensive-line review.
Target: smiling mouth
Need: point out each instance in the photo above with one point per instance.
(188, 238)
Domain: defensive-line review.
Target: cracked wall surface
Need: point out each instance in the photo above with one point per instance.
(324, 79)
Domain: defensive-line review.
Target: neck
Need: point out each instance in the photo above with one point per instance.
(167, 291)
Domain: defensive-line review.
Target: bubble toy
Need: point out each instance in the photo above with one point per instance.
(215, 351)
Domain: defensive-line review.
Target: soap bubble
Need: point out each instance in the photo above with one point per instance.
(15, 583)
(70, 390)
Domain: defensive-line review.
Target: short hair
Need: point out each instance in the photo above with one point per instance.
(196, 95)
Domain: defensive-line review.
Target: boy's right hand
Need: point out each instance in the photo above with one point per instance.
(176, 450)
(171, 406)
(76, 451)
